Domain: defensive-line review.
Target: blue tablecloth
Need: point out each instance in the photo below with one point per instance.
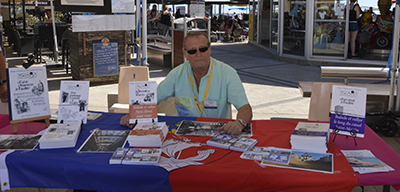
(65, 168)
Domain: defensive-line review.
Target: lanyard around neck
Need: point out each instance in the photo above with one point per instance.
(205, 93)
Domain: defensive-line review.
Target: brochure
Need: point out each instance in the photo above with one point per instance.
(364, 161)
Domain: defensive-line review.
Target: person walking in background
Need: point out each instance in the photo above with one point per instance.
(165, 20)
(354, 14)
(3, 78)
(178, 14)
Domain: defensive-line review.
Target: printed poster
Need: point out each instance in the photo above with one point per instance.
(28, 93)
(74, 100)
(348, 110)
(123, 6)
(142, 101)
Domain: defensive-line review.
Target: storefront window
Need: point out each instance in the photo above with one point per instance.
(329, 28)
(294, 27)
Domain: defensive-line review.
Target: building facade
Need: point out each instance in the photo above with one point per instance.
(315, 32)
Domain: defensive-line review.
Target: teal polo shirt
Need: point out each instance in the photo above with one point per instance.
(226, 88)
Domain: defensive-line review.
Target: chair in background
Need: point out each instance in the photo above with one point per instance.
(128, 73)
(320, 102)
(46, 41)
(23, 44)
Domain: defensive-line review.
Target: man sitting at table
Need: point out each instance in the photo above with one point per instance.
(202, 78)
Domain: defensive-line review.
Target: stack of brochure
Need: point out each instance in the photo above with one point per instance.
(232, 142)
(310, 137)
(148, 135)
(364, 161)
(60, 136)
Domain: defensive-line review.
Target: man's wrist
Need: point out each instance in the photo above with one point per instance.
(242, 122)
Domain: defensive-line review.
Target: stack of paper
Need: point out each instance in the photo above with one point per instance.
(310, 137)
(148, 156)
(148, 135)
(364, 161)
(60, 136)
(233, 142)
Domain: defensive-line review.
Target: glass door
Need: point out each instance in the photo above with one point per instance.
(329, 28)
(294, 27)
(274, 24)
(265, 32)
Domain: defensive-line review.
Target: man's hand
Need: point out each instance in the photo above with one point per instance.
(3, 93)
(232, 128)
(125, 121)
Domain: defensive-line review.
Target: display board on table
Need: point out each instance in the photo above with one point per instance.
(74, 101)
(348, 110)
(105, 57)
(28, 95)
(142, 101)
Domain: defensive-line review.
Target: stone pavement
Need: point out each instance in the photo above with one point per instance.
(271, 85)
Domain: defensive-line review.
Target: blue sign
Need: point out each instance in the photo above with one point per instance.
(105, 57)
(347, 123)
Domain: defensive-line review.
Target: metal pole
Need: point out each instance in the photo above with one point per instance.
(54, 32)
(138, 58)
(395, 55)
(23, 15)
(144, 31)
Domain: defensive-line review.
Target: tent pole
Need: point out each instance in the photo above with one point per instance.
(144, 32)
(54, 32)
(395, 55)
(23, 15)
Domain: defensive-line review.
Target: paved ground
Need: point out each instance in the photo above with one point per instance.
(271, 85)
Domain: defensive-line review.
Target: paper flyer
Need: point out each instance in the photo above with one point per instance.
(74, 100)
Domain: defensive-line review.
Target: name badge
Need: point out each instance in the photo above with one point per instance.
(210, 104)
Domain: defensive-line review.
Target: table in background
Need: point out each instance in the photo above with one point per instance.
(224, 171)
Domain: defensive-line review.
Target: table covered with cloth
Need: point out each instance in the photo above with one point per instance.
(187, 163)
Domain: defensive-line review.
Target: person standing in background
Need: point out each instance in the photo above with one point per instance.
(354, 14)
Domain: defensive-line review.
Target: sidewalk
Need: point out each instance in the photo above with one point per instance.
(271, 86)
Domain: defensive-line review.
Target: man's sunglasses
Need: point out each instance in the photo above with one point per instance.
(201, 49)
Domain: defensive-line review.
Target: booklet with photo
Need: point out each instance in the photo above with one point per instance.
(364, 161)
(19, 142)
(104, 141)
(73, 103)
(142, 102)
(142, 156)
(302, 160)
(232, 142)
(199, 128)
(118, 155)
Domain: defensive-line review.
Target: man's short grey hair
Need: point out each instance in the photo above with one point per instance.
(195, 34)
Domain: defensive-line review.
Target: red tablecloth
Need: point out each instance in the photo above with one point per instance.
(226, 171)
